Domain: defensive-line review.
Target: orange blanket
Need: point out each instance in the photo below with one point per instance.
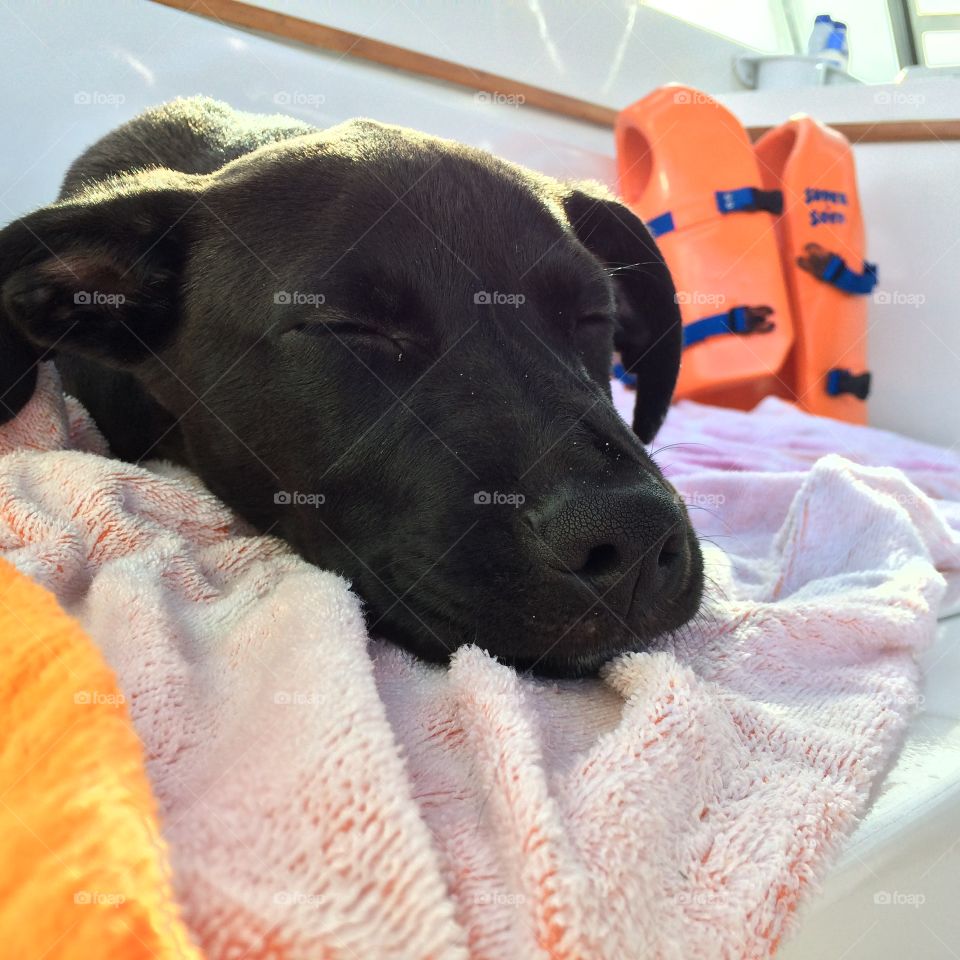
(85, 868)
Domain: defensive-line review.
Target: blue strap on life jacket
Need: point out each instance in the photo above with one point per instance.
(740, 200)
(749, 200)
(840, 381)
(658, 226)
(740, 320)
(620, 372)
(838, 274)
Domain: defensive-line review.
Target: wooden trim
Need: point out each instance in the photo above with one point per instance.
(887, 131)
(282, 26)
(237, 14)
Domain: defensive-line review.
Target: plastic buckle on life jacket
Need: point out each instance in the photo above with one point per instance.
(750, 319)
(749, 200)
(831, 268)
(742, 320)
(841, 381)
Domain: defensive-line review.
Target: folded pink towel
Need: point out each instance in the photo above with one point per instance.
(326, 795)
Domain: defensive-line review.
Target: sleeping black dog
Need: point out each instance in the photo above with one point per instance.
(392, 351)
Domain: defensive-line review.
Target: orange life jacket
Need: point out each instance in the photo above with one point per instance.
(821, 240)
(687, 168)
(765, 245)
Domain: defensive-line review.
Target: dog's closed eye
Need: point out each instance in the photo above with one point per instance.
(344, 330)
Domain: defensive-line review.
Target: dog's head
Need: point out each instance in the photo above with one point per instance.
(394, 352)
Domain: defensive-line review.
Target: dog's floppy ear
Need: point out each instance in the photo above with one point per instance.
(649, 334)
(96, 275)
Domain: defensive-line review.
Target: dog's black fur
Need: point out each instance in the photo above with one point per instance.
(289, 310)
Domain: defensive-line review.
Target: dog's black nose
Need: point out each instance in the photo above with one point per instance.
(629, 545)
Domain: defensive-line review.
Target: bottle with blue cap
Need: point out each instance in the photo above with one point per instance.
(836, 51)
(822, 28)
(828, 41)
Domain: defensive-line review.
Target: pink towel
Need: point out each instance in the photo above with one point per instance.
(325, 795)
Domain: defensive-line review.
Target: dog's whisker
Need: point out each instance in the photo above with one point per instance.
(683, 443)
(616, 269)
